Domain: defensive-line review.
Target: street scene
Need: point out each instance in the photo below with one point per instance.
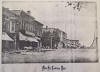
(49, 32)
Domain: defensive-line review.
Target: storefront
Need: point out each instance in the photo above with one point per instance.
(27, 41)
(7, 42)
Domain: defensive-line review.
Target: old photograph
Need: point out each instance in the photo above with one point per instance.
(49, 32)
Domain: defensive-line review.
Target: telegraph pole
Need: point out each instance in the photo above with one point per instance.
(51, 35)
(15, 41)
(51, 42)
(96, 30)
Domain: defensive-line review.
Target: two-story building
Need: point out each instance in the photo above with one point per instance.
(29, 27)
(22, 28)
(10, 27)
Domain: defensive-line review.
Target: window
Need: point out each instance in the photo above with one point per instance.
(28, 27)
(31, 28)
(23, 25)
(12, 26)
(3, 26)
(17, 26)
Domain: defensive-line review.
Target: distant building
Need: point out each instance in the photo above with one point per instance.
(72, 43)
(62, 35)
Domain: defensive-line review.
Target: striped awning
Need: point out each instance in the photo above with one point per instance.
(26, 38)
(6, 37)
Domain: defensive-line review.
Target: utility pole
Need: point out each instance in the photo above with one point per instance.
(51, 36)
(15, 41)
(51, 42)
(96, 30)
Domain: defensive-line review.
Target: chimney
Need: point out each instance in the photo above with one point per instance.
(29, 12)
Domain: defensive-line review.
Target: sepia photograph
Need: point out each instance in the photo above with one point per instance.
(49, 32)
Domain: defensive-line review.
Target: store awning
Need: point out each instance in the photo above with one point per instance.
(32, 39)
(26, 38)
(6, 37)
(37, 38)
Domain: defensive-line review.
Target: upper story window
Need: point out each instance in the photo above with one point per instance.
(12, 26)
(3, 26)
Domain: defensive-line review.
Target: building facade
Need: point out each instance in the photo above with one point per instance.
(62, 36)
(10, 24)
(29, 28)
(73, 43)
(22, 28)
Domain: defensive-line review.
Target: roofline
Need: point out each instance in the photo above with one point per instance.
(39, 22)
(74, 40)
(54, 28)
(9, 11)
(23, 12)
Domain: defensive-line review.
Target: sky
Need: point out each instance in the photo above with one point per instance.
(79, 25)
